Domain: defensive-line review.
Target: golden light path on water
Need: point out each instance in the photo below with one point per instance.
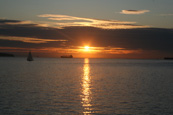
(86, 92)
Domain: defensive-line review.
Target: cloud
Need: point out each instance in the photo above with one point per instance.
(134, 11)
(20, 22)
(30, 30)
(28, 39)
(68, 21)
(113, 41)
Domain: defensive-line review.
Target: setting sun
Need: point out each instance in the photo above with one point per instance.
(86, 48)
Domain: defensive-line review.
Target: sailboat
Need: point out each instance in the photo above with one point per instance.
(67, 56)
(29, 58)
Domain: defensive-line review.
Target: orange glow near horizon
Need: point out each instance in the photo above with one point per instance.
(85, 51)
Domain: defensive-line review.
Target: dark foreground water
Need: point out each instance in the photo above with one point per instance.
(86, 86)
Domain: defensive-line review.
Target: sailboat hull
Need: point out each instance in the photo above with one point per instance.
(30, 60)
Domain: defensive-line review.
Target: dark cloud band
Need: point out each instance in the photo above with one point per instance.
(130, 39)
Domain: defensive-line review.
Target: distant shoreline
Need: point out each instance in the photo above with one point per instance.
(6, 55)
(168, 58)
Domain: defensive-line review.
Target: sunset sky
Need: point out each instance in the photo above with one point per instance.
(87, 28)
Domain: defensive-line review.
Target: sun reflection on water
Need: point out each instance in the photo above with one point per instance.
(86, 92)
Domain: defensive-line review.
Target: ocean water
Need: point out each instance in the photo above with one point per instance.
(56, 86)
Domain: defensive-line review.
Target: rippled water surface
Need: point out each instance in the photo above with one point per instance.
(86, 86)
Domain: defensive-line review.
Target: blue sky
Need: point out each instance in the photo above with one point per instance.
(160, 15)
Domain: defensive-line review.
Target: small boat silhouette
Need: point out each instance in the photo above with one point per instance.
(29, 58)
(67, 56)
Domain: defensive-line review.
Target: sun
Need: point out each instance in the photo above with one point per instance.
(86, 48)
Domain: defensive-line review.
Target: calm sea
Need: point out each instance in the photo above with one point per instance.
(55, 86)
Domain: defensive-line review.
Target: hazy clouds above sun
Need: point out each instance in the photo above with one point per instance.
(68, 21)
